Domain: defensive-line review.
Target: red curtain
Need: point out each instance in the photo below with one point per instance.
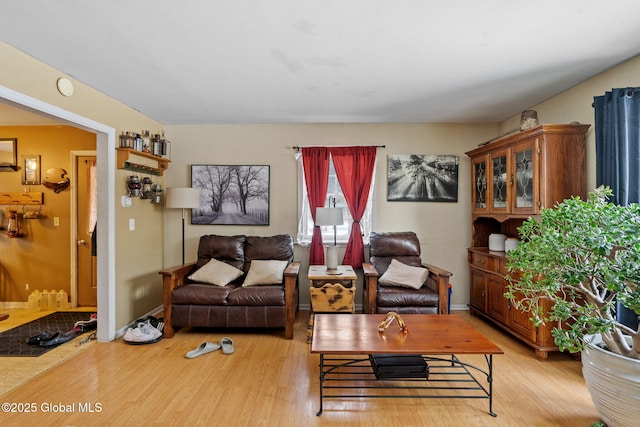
(354, 169)
(315, 162)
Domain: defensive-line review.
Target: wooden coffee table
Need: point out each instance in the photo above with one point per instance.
(345, 343)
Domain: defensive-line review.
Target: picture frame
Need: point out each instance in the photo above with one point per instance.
(422, 178)
(231, 194)
(30, 169)
(8, 154)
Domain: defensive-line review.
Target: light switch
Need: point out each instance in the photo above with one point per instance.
(132, 224)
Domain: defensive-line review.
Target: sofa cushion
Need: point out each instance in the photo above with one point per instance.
(216, 273)
(201, 294)
(408, 276)
(265, 272)
(278, 247)
(257, 296)
(395, 296)
(229, 249)
(403, 246)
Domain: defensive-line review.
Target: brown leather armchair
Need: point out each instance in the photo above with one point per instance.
(431, 298)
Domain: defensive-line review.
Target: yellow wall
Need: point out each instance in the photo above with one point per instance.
(41, 257)
(443, 228)
(138, 253)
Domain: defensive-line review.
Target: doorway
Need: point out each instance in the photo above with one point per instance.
(84, 242)
(105, 150)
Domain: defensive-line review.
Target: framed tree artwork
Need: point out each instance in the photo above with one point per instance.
(231, 194)
(422, 178)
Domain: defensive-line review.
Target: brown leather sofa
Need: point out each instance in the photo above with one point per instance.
(191, 304)
(431, 298)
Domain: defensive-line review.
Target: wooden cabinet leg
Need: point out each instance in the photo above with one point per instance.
(542, 355)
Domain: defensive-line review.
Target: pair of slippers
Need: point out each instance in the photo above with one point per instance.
(226, 344)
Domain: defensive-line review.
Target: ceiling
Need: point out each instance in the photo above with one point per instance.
(319, 61)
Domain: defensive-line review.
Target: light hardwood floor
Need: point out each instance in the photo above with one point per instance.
(270, 381)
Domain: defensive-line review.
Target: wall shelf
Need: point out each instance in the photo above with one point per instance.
(32, 198)
(138, 161)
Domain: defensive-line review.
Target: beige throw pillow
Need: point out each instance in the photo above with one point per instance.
(400, 274)
(265, 272)
(216, 273)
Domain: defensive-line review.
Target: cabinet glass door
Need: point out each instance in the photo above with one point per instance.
(525, 194)
(524, 178)
(500, 182)
(479, 185)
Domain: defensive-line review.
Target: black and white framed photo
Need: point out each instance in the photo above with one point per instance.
(231, 194)
(422, 178)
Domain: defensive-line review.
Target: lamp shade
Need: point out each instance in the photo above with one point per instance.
(182, 197)
(329, 216)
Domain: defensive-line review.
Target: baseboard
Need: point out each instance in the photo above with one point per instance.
(10, 304)
(454, 307)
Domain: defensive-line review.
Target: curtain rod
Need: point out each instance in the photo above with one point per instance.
(297, 147)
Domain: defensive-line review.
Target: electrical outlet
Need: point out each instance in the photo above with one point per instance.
(132, 224)
(56, 221)
(26, 286)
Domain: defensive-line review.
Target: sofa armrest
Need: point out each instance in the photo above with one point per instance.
(438, 280)
(370, 288)
(172, 278)
(290, 288)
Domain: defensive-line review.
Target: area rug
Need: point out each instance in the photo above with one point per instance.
(13, 342)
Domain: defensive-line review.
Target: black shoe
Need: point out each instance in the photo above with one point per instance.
(35, 340)
(58, 338)
(86, 325)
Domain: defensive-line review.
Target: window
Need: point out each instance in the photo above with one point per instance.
(334, 193)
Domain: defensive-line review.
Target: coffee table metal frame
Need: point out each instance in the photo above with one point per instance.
(345, 366)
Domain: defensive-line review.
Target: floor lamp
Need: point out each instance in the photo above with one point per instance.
(330, 217)
(182, 198)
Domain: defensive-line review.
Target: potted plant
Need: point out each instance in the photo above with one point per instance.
(583, 256)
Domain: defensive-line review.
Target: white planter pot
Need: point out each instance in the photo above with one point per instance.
(614, 384)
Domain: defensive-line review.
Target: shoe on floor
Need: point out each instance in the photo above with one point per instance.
(86, 325)
(43, 336)
(204, 348)
(154, 321)
(58, 338)
(143, 334)
(227, 345)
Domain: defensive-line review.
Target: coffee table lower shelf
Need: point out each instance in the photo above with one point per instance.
(448, 378)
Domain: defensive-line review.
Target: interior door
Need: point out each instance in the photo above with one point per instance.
(87, 280)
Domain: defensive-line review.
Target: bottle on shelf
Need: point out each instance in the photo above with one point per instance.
(146, 142)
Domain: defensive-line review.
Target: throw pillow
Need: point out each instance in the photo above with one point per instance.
(265, 272)
(400, 274)
(216, 273)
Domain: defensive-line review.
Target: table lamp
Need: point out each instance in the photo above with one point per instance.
(330, 217)
(182, 198)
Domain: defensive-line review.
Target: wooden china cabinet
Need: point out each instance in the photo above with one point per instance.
(512, 178)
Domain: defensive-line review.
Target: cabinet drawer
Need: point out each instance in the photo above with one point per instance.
(483, 261)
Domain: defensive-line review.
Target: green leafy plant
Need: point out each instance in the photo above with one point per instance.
(582, 256)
